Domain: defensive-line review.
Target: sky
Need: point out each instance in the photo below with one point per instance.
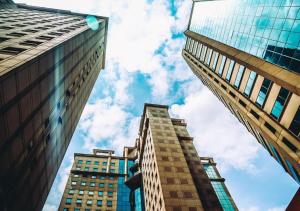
(144, 64)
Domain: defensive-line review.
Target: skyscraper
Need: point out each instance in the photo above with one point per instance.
(247, 54)
(49, 61)
(161, 172)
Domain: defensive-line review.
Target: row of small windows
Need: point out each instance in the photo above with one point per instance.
(89, 162)
(95, 177)
(92, 184)
(89, 202)
(103, 170)
(204, 54)
(91, 193)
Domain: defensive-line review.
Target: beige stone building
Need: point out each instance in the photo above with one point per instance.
(252, 69)
(161, 172)
(49, 61)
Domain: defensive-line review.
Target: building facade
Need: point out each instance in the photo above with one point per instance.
(161, 172)
(248, 55)
(168, 168)
(49, 61)
(97, 182)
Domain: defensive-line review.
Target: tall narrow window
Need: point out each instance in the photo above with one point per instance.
(222, 65)
(187, 43)
(210, 51)
(215, 61)
(230, 69)
(295, 125)
(250, 82)
(263, 92)
(194, 49)
(203, 52)
(239, 76)
(199, 51)
(280, 103)
(191, 46)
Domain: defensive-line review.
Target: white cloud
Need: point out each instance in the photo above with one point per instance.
(216, 132)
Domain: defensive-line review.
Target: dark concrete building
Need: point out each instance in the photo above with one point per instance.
(247, 54)
(49, 61)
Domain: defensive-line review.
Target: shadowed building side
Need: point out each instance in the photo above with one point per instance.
(49, 61)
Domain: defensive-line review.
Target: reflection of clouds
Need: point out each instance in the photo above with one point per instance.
(251, 27)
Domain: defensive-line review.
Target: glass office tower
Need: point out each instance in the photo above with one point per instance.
(247, 53)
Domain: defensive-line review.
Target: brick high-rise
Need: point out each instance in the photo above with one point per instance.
(49, 61)
(248, 54)
(161, 172)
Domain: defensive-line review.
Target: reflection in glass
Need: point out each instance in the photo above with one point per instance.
(269, 31)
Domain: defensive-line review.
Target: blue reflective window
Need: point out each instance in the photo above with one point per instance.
(109, 203)
(209, 56)
(264, 90)
(104, 163)
(99, 203)
(199, 51)
(222, 65)
(210, 171)
(277, 156)
(279, 103)
(257, 27)
(101, 185)
(250, 83)
(110, 193)
(86, 168)
(222, 196)
(203, 52)
(69, 201)
(79, 201)
(100, 193)
(293, 170)
(79, 162)
(96, 163)
(295, 125)
(88, 162)
(215, 61)
(230, 69)
(239, 76)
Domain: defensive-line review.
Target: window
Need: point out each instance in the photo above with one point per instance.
(289, 145)
(79, 162)
(11, 50)
(3, 39)
(73, 183)
(30, 43)
(239, 76)
(16, 34)
(91, 193)
(109, 203)
(250, 82)
(89, 202)
(110, 185)
(295, 125)
(173, 194)
(95, 169)
(83, 183)
(110, 194)
(94, 177)
(104, 163)
(230, 69)
(76, 175)
(209, 56)
(99, 202)
(112, 164)
(68, 201)
(222, 65)
(112, 170)
(71, 192)
(280, 103)
(100, 193)
(103, 170)
(76, 209)
(88, 162)
(80, 192)
(263, 92)
(44, 37)
(101, 185)
(96, 163)
(215, 61)
(294, 171)
(79, 201)
(86, 169)
(102, 177)
(66, 209)
(92, 184)
(111, 178)
(203, 52)
(222, 196)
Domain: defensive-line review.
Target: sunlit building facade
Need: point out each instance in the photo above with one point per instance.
(49, 61)
(170, 172)
(97, 182)
(247, 53)
(161, 172)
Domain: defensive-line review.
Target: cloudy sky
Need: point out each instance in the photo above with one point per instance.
(144, 64)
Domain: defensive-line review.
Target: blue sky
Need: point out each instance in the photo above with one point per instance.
(144, 64)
